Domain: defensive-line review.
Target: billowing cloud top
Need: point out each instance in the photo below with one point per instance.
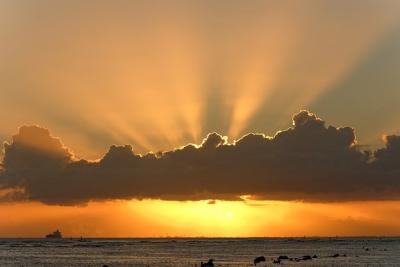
(309, 161)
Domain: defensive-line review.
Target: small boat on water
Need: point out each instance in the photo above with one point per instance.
(55, 234)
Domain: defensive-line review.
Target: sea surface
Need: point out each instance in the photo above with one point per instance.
(177, 252)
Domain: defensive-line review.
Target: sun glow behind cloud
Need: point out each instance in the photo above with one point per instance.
(140, 73)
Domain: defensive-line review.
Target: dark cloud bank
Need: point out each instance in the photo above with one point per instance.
(309, 161)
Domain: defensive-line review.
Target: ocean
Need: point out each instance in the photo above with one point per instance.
(185, 252)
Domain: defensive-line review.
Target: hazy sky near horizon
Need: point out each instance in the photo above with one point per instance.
(158, 75)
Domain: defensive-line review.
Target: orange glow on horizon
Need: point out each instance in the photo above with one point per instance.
(156, 218)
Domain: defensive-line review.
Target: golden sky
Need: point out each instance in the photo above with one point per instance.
(162, 74)
(152, 218)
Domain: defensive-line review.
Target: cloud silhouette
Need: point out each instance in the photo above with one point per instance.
(309, 161)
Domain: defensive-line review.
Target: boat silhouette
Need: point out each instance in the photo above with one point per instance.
(55, 234)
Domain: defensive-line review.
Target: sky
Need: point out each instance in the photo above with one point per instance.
(137, 118)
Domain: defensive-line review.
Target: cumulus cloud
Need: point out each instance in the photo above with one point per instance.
(309, 161)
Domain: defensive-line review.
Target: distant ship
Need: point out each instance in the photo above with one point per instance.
(56, 234)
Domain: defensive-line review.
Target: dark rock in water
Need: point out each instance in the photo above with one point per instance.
(283, 257)
(315, 256)
(259, 259)
(277, 261)
(208, 264)
(307, 257)
(105, 265)
(367, 249)
(344, 255)
(335, 255)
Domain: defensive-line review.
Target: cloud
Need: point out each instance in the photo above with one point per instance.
(308, 161)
